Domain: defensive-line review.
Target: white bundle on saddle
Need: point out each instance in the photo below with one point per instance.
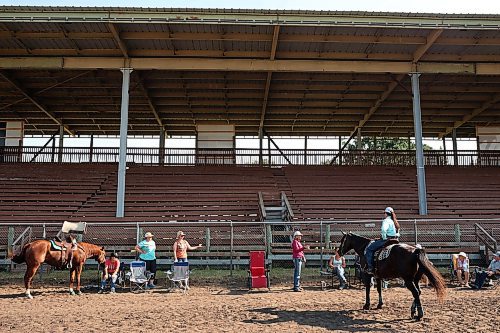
(74, 227)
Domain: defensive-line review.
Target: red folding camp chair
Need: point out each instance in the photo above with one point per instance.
(258, 274)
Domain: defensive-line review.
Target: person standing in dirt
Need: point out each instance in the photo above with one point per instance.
(147, 250)
(298, 258)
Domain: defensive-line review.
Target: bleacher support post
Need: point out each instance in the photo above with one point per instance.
(91, 150)
(122, 164)
(417, 120)
(458, 233)
(231, 250)
(10, 242)
(207, 238)
(269, 239)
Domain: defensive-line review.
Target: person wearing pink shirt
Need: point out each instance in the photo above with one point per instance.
(298, 259)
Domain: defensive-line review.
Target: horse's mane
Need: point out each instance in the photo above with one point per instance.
(90, 249)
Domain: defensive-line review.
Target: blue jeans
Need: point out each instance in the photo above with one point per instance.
(340, 274)
(297, 264)
(182, 259)
(370, 250)
(112, 279)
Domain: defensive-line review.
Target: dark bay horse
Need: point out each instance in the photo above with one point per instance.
(39, 251)
(404, 261)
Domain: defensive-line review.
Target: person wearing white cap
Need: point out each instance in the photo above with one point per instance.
(147, 253)
(492, 272)
(463, 267)
(181, 246)
(298, 259)
(389, 230)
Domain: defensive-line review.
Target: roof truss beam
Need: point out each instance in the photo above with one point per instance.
(250, 65)
(486, 105)
(51, 115)
(272, 56)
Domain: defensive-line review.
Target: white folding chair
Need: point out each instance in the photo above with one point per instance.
(138, 276)
(179, 278)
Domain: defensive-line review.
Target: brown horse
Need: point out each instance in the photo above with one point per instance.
(404, 261)
(39, 251)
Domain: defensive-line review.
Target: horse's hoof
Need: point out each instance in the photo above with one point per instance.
(78, 292)
(29, 296)
(72, 293)
(379, 306)
(417, 318)
(366, 307)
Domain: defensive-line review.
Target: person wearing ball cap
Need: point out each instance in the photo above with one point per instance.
(389, 230)
(298, 259)
(147, 253)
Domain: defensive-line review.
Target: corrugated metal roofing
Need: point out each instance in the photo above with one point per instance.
(298, 103)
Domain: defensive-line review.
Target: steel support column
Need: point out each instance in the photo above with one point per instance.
(122, 165)
(161, 155)
(455, 149)
(417, 120)
(61, 144)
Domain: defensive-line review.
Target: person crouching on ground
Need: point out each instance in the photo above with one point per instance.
(298, 258)
(111, 269)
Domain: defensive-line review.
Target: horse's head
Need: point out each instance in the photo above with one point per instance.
(345, 243)
(101, 256)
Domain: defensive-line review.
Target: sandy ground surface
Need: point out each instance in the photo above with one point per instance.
(212, 309)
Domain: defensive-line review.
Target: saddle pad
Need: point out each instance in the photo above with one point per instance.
(385, 252)
(54, 246)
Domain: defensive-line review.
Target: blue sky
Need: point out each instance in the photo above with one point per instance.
(422, 6)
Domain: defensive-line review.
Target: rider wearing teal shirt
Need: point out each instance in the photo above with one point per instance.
(389, 230)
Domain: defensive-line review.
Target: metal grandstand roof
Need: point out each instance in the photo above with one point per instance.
(287, 72)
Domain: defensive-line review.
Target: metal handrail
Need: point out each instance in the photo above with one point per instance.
(262, 208)
(288, 207)
(493, 240)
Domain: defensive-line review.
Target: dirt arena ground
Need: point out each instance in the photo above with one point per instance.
(212, 309)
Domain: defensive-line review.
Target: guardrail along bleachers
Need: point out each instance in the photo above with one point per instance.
(47, 192)
(201, 193)
(327, 192)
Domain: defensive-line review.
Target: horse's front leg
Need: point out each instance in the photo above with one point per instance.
(379, 289)
(71, 280)
(28, 278)
(367, 279)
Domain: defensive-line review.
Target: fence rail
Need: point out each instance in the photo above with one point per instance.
(247, 157)
(228, 243)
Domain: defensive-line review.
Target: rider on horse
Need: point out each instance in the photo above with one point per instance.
(389, 230)
(70, 245)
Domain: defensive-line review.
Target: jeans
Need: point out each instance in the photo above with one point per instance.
(370, 250)
(112, 279)
(297, 264)
(182, 259)
(340, 274)
(481, 278)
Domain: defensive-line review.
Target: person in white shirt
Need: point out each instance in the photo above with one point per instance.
(463, 267)
(389, 230)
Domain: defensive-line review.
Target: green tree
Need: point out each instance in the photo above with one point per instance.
(367, 143)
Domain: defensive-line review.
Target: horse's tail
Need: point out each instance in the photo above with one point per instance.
(20, 257)
(435, 278)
